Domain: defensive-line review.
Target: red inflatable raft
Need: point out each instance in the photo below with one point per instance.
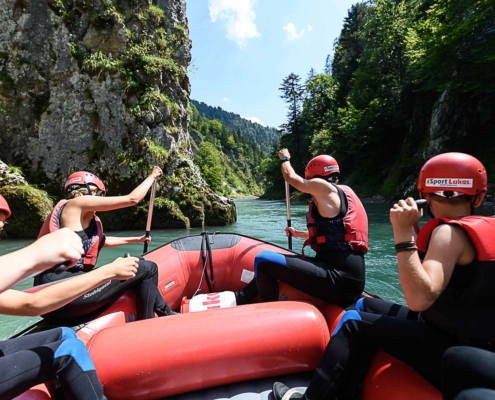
(212, 350)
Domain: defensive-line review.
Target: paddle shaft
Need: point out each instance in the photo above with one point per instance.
(287, 203)
(150, 215)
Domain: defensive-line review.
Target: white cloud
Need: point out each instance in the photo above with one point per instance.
(292, 33)
(226, 99)
(238, 16)
(310, 28)
(254, 119)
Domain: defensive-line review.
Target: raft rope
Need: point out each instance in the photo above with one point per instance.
(206, 255)
(210, 258)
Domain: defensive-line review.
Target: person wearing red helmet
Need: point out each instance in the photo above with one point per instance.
(337, 231)
(87, 195)
(4, 211)
(447, 278)
(57, 353)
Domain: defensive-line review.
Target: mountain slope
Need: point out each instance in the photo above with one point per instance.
(264, 136)
(229, 162)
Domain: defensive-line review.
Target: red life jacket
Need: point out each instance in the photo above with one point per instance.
(347, 231)
(467, 309)
(52, 223)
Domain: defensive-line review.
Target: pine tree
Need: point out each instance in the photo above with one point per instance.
(293, 94)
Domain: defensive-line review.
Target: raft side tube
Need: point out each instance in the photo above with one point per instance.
(38, 392)
(389, 378)
(182, 353)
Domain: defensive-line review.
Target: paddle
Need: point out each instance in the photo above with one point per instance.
(287, 203)
(150, 215)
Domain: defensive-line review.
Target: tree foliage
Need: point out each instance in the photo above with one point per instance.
(373, 105)
(293, 92)
(228, 160)
(452, 46)
(209, 164)
(263, 136)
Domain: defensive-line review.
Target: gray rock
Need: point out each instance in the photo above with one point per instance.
(80, 93)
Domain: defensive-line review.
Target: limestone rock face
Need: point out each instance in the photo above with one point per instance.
(447, 122)
(462, 122)
(103, 87)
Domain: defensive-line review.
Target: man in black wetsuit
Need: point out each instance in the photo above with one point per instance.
(337, 231)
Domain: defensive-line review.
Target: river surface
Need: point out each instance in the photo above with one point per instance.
(264, 220)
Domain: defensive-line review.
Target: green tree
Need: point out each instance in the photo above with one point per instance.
(209, 163)
(348, 49)
(452, 46)
(373, 111)
(318, 118)
(292, 92)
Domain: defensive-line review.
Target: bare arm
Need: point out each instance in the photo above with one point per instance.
(296, 233)
(13, 302)
(315, 187)
(325, 194)
(423, 283)
(58, 247)
(115, 241)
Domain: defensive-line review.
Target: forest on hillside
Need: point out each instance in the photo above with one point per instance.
(227, 155)
(408, 79)
(264, 136)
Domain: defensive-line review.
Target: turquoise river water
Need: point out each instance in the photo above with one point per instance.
(264, 220)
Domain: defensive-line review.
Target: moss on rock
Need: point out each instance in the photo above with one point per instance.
(30, 206)
(167, 214)
(219, 211)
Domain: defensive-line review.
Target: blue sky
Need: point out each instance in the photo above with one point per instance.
(243, 49)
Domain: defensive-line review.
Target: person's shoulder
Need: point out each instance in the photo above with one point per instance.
(347, 189)
(445, 231)
(319, 186)
(61, 202)
(80, 202)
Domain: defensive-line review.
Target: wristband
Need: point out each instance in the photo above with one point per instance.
(284, 159)
(405, 246)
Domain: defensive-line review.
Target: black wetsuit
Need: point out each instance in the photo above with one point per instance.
(400, 332)
(41, 357)
(336, 275)
(145, 283)
(468, 373)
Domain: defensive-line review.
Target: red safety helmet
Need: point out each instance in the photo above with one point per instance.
(83, 179)
(452, 175)
(321, 166)
(4, 206)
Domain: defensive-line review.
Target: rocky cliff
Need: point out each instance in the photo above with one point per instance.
(102, 86)
(443, 122)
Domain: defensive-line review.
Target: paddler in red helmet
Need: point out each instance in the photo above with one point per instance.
(86, 196)
(337, 231)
